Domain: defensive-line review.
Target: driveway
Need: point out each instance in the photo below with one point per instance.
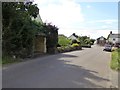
(87, 68)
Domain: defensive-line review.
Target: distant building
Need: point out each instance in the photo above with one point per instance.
(113, 38)
(73, 37)
(101, 41)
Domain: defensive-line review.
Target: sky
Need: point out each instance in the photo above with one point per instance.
(92, 19)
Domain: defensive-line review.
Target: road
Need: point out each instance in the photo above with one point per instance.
(87, 68)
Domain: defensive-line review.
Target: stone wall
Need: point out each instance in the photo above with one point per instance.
(40, 44)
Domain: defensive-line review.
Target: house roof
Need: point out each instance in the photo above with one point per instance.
(114, 36)
(101, 38)
(73, 37)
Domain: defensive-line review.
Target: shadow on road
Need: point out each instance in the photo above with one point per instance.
(74, 75)
(52, 72)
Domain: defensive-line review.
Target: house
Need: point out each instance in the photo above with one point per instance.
(113, 38)
(73, 37)
(101, 41)
(40, 39)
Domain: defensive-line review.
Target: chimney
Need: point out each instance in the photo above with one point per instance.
(110, 32)
(74, 34)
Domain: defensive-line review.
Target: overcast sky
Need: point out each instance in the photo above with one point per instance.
(93, 19)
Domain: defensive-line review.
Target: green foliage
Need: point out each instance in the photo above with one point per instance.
(92, 41)
(63, 40)
(51, 32)
(18, 28)
(8, 60)
(75, 45)
(84, 40)
(74, 41)
(87, 41)
(60, 49)
(69, 48)
(65, 49)
(115, 62)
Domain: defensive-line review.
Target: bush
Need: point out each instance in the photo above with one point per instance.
(74, 41)
(63, 40)
(60, 49)
(64, 49)
(9, 59)
(75, 45)
(69, 48)
(115, 62)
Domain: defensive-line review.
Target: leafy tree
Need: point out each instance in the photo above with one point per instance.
(18, 28)
(92, 41)
(86, 40)
(63, 40)
(74, 41)
(51, 36)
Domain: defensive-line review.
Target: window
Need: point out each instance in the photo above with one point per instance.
(113, 39)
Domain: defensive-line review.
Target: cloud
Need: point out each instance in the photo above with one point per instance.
(105, 21)
(62, 13)
(87, 32)
(88, 6)
(104, 26)
(107, 26)
(68, 17)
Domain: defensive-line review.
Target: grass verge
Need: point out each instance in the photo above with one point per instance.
(115, 62)
(9, 60)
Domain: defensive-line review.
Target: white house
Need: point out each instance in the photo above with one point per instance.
(113, 38)
(73, 37)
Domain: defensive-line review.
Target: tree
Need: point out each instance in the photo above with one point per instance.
(18, 28)
(92, 41)
(63, 40)
(51, 32)
(86, 40)
(74, 41)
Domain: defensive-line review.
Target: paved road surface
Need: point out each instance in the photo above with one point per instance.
(88, 68)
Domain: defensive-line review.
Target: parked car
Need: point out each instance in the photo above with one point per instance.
(117, 45)
(107, 47)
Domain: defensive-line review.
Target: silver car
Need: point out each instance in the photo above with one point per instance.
(108, 47)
